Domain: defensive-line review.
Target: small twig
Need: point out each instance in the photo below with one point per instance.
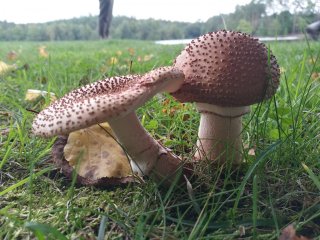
(33, 111)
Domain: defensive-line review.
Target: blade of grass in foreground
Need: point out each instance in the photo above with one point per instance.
(41, 231)
(255, 206)
(102, 228)
(7, 154)
(315, 179)
(251, 170)
(24, 181)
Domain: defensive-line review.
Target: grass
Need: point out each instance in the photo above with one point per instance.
(277, 185)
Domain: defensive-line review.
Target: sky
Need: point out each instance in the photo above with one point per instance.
(35, 11)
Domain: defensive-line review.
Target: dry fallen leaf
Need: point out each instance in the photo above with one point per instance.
(315, 76)
(12, 55)
(289, 233)
(312, 60)
(43, 52)
(95, 154)
(4, 68)
(145, 58)
(242, 231)
(166, 102)
(131, 51)
(33, 95)
(282, 70)
(113, 61)
(251, 152)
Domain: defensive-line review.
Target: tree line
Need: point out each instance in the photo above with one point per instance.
(251, 18)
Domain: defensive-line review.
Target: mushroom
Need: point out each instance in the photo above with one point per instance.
(115, 100)
(225, 72)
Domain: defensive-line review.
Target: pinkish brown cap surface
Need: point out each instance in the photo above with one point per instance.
(101, 101)
(228, 69)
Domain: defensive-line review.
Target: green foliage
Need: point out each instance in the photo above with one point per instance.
(44, 231)
(244, 26)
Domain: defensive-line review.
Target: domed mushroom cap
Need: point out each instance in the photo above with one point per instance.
(228, 69)
(101, 101)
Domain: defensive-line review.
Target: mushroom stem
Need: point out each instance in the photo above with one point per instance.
(147, 155)
(219, 136)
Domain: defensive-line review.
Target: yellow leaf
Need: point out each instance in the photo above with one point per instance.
(4, 68)
(147, 57)
(43, 52)
(282, 70)
(95, 154)
(315, 76)
(113, 61)
(33, 94)
(312, 60)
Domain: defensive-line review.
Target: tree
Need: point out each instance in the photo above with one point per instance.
(306, 6)
(105, 17)
(193, 30)
(252, 13)
(244, 26)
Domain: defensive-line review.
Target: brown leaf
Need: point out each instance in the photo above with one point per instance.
(166, 102)
(131, 51)
(43, 52)
(59, 160)
(315, 76)
(95, 154)
(186, 117)
(4, 68)
(12, 55)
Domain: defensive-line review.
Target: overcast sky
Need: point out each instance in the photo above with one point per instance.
(32, 11)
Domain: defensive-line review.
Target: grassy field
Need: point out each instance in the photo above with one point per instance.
(278, 184)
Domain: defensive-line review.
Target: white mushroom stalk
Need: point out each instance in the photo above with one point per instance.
(115, 100)
(219, 135)
(225, 72)
(146, 153)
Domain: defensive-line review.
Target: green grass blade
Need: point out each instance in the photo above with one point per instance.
(7, 154)
(24, 181)
(315, 179)
(255, 206)
(43, 231)
(253, 167)
(274, 216)
(102, 228)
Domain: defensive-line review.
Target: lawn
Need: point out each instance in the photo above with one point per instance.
(277, 185)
